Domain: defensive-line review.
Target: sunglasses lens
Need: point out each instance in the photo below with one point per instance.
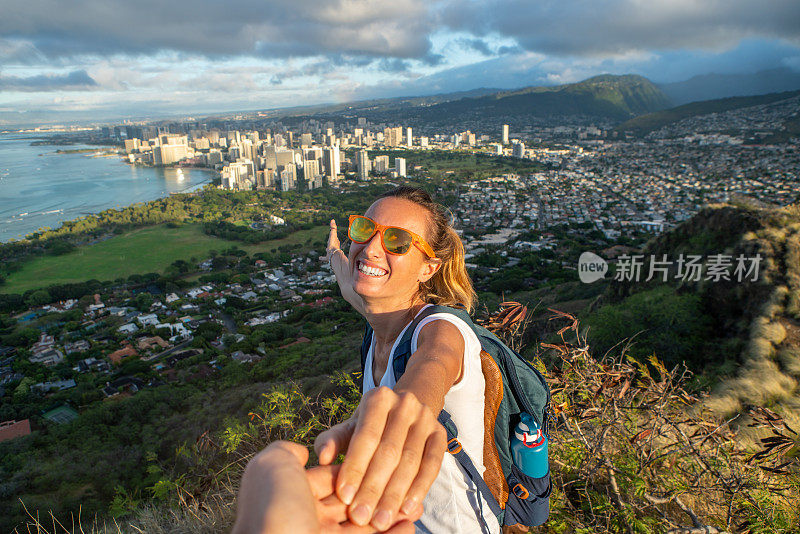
(361, 229)
(396, 240)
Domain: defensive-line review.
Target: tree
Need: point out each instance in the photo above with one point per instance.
(38, 298)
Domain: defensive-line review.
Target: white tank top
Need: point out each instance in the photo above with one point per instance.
(452, 503)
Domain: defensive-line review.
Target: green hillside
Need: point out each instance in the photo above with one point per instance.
(740, 335)
(615, 97)
(653, 121)
(611, 97)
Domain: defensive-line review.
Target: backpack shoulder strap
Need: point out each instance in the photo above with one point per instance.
(454, 447)
(403, 351)
(365, 343)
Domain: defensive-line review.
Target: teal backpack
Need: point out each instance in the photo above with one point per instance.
(512, 386)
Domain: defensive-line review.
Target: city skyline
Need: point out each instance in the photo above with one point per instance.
(104, 60)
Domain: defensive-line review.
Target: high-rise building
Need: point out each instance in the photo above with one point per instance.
(400, 166)
(331, 163)
(505, 134)
(409, 137)
(393, 136)
(306, 139)
(362, 164)
(423, 141)
(312, 174)
(238, 176)
(167, 154)
(519, 150)
(132, 145)
(381, 164)
(248, 149)
(214, 156)
(284, 157)
(289, 178)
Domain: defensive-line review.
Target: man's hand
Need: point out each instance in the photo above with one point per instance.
(394, 447)
(278, 495)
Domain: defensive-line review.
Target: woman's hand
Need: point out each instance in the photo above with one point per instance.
(341, 268)
(278, 495)
(394, 447)
(333, 242)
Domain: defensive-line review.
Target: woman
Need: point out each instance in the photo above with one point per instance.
(405, 256)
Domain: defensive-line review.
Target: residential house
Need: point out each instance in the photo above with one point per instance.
(128, 328)
(149, 343)
(47, 387)
(14, 429)
(76, 346)
(126, 384)
(117, 356)
(148, 319)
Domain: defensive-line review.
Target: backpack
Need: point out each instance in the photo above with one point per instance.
(512, 386)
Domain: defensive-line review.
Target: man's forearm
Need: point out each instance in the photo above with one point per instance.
(273, 489)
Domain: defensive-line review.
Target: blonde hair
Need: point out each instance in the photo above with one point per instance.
(450, 285)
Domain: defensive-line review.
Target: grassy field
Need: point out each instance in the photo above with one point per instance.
(145, 250)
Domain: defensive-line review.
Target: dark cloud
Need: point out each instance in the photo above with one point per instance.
(77, 80)
(277, 28)
(620, 26)
(479, 45)
(394, 65)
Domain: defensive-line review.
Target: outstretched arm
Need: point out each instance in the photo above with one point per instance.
(341, 268)
(394, 442)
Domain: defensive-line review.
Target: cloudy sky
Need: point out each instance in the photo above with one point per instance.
(97, 59)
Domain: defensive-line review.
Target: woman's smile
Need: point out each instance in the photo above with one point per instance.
(370, 269)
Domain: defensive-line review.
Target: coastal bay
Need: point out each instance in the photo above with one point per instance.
(41, 187)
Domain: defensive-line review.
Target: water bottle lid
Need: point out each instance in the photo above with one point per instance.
(528, 432)
(528, 438)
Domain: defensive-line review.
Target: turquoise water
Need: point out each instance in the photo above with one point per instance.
(39, 188)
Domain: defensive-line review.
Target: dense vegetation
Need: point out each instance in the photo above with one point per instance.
(117, 449)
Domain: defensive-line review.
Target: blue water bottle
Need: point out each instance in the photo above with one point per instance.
(529, 448)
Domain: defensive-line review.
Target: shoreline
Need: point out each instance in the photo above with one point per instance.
(25, 215)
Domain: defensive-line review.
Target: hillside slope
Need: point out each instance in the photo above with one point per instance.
(609, 97)
(645, 124)
(715, 86)
(742, 333)
(630, 451)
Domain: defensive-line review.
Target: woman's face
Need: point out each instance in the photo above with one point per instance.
(397, 277)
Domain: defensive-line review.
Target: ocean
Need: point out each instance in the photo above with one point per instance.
(40, 188)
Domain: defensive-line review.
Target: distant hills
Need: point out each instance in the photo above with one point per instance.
(644, 124)
(601, 96)
(630, 99)
(715, 86)
(610, 97)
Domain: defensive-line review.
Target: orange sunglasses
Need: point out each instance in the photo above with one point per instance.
(395, 240)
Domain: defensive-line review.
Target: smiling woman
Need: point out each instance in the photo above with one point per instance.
(405, 257)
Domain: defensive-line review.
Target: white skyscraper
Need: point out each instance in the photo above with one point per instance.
(505, 134)
(400, 166)
(331, 163)
(362, 162)
(409, 137)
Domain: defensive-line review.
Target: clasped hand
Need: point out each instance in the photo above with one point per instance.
(394, 447)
